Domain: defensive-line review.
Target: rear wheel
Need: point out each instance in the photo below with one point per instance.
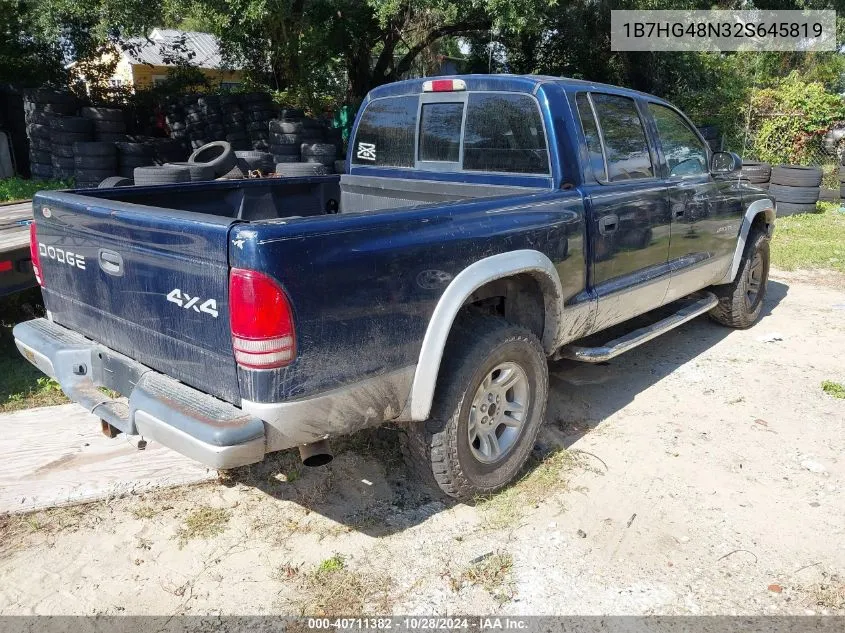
(741, 302)
(489, 405)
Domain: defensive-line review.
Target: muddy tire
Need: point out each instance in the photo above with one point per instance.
(741, 302)
(489, 405)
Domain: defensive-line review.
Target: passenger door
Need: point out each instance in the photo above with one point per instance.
(629, 231)
(706, 210)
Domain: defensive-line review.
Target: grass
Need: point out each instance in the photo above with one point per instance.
(835, 389)
(144, 512)
(544, 477)
(494, 574)
(811, 240)
(331, 565)
(16, 188)
(22, 385)
(204, 522)
(332, 589)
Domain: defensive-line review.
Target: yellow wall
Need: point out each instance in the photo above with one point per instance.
(123, 71)
(143, 75)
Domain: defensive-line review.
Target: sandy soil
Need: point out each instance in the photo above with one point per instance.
(702, 473)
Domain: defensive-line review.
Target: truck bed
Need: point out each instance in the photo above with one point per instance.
(277, 198)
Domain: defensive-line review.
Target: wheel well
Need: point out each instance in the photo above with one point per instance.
(760, 223)
(518, 299)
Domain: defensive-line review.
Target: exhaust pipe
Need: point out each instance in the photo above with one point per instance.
(316, 453)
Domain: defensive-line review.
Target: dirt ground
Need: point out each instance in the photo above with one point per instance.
(702, 473)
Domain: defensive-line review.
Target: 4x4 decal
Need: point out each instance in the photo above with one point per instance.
(184, 300)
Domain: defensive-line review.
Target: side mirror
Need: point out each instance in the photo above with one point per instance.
(725, 163)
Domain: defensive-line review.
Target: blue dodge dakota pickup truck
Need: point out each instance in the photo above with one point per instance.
(487, 223)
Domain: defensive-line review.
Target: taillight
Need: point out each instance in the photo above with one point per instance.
(33, 254)
(261, 321)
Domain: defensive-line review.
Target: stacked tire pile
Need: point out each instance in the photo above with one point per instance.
(147, 152)
(40, 108)
(131, 155)
(174, 116)
(301, 146)
(758, 174)
(234, 120)
(259, 110)
(795, 188)
(239, 119)
(195, 123)
(712, 136)
(195, 120)
(65, 133)
(94, 161)
(109, 124)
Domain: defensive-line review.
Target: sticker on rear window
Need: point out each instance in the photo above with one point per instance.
(366, 151)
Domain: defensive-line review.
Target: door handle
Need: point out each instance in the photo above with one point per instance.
(608, 224)
(111, 262)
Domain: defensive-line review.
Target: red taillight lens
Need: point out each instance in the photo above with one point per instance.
(261, 320)
(33, 254)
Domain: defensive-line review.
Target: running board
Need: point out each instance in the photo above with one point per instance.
(688, 310)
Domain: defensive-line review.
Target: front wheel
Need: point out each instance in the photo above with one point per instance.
(741, 302)
(489, 405)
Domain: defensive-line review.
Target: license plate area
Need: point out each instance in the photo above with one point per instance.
(115, 371)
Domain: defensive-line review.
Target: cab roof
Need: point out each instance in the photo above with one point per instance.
(510, 83)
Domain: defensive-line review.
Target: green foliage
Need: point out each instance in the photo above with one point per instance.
(319, 54)
(42, 59)
(331, 565)
(17, 188)
(834, 389)
(790, 119)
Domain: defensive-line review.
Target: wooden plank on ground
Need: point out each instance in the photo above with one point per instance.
(57, 456)
(14, 230)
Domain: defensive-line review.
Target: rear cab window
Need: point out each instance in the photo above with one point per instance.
(440, 132)
(504, 133)
(473, 132)
(386, 133)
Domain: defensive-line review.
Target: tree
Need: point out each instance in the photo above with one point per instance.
(20, 50)
(293, 43)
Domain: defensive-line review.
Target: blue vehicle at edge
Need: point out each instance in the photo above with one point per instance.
(486, 223)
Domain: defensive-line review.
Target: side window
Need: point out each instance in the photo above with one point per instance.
(625, 142)
(504, 132)
(591, 133)
(440, 131)
(684, 152)
(386, 133)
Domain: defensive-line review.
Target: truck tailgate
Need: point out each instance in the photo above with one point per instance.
(150, 283)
